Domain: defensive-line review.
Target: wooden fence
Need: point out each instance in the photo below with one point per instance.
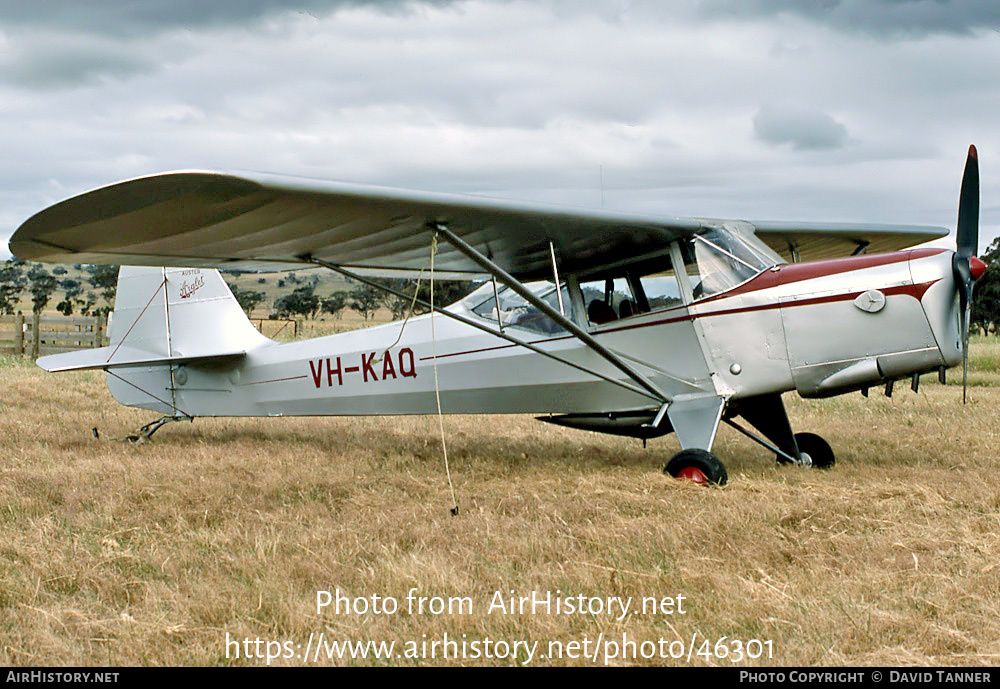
(275, 327)
(38, 336)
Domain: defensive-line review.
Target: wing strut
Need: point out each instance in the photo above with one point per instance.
(479, 326)
(567, 324)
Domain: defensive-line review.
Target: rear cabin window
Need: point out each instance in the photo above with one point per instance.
(516, 312)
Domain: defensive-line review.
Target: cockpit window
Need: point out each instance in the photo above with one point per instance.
(608, 299)
(515, 311)
(631, 291)
(717, 260)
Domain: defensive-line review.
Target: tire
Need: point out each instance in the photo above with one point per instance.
(819, 451)
(699, 466)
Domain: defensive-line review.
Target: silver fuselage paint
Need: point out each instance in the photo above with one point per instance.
(793, 327)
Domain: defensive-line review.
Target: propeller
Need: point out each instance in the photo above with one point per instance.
(964, 263)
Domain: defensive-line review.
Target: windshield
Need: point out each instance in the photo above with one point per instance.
(717, 260)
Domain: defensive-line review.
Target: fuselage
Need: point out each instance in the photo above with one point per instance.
(820, 328)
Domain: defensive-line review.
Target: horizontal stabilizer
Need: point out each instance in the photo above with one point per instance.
(113, 357)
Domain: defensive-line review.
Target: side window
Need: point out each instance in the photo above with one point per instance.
(662, 290)
(650, 287)
(515, 311)
(609, 299)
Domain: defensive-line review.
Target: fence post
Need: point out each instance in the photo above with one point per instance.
(35, 334)
(19, 333)
(97, 330)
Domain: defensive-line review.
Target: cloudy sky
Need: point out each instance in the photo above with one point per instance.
(760, 109)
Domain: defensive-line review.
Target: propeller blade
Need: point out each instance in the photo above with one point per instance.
(967, 245)
(965, 348)
(968, 207)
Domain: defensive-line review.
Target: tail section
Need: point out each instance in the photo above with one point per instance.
(167, 316)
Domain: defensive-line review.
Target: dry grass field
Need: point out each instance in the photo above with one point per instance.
(113, 554)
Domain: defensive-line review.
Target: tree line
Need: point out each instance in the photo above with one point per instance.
(91, 294)
(305, 301)
(986, 296)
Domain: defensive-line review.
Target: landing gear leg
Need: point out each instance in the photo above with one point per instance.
(695, 419)
(146, 432)
(766, 413)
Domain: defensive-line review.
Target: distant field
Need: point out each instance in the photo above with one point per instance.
(113, 554)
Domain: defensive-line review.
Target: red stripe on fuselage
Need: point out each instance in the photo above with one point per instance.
(787, 274)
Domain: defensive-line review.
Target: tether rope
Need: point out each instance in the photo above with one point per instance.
(437, 389)
(409, 313)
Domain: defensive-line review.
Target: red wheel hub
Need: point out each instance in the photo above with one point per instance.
(693, 474)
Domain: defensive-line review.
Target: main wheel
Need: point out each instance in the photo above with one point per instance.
(700, 466)
(817, 450)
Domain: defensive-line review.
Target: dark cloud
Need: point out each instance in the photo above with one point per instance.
(802, 127)
(49, 61)
(138, 17)
(883, 17)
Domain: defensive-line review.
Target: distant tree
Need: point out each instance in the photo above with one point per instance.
(105, 280)
(42, 285)
(12, 284)
(73, 289)
(261, 281)
(59, 270)
(302, 301)
(986, 295)
(335, 304)
(445, 292)
(365, 300)
(88, 304)
(248, 299)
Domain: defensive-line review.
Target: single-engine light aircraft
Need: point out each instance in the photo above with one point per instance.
(620, 323)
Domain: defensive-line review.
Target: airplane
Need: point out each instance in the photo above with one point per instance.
(629, 324)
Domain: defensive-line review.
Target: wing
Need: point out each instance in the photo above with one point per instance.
(255, 221)
(266, 222)
(815, 241)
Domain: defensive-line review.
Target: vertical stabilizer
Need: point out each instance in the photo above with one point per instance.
(167, 316)
(179, 313)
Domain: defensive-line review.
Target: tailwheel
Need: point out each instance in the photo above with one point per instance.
(815, 451)
(700, 466)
